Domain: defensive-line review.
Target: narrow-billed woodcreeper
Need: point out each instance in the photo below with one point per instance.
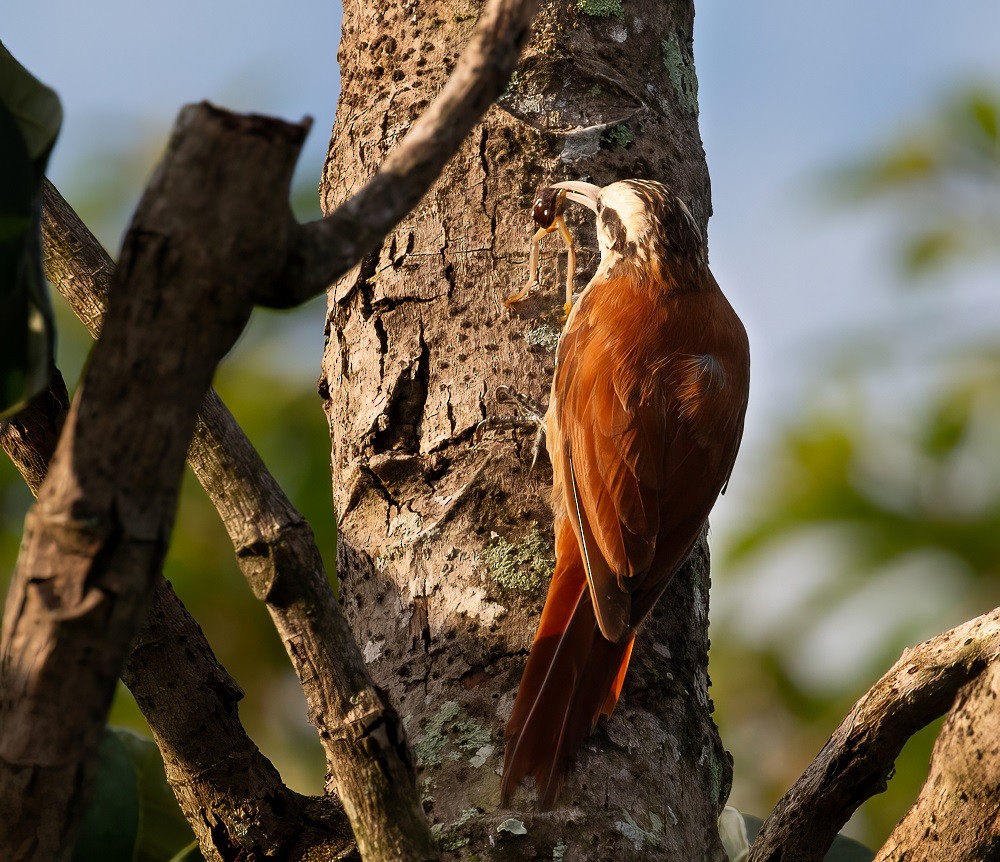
(644, 421)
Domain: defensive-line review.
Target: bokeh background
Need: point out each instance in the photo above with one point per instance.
(855, 159)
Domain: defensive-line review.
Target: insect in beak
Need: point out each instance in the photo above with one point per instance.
(548, 215)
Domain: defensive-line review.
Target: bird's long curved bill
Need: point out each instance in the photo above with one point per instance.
(580, 192)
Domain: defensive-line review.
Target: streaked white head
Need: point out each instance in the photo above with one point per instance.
(638, 220)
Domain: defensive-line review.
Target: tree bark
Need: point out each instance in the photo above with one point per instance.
(445, 543)
(859, 757)
(957, 815)
(95, 540)
(230, 793)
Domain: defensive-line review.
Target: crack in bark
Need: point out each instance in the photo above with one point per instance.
(448, 267)
(390, 303)
(404, 410)
(383, 342)
(484, 163)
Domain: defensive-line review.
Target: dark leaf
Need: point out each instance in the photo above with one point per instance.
(29, 122)
(111, 823)
(163, 830)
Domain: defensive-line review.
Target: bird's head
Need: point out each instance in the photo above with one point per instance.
(641, 223)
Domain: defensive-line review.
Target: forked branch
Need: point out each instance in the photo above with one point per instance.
(329, 247)
(858, 759)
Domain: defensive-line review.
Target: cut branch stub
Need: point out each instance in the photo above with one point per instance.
(206, 236)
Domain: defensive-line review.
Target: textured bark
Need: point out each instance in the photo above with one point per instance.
(230, 793)
(276, 551)
(858, 760)
(445, 536)
(365, 742)
(95, 540)
(957, 815)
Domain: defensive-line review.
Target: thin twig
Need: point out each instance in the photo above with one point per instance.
(329, 247)
(858, 759)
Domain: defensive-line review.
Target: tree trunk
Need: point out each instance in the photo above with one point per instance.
(445, 531)
(957, 815)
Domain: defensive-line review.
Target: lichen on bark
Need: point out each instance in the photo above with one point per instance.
(444, 527)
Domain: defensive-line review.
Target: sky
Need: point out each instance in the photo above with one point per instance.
(787, 90)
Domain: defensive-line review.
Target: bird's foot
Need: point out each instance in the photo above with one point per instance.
(531, 416)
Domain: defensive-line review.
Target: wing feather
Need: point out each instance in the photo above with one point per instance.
(638, 411)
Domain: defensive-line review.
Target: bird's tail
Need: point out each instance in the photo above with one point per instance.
(572, 677)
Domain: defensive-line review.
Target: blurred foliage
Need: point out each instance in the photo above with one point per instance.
(269, 383)
(877, 521)
(945, 173)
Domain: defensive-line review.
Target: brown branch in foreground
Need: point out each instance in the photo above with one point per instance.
(95, 540)
(857, 760)
(957, 815)
(367, 758)
(228, 790)
(330, 246)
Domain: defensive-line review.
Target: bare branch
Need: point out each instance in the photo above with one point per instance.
(329, 247)
(95, 540)
(858, 759)
(229, 791)
(957, 815)
(276, 551)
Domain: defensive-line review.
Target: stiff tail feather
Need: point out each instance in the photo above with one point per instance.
(572, 677)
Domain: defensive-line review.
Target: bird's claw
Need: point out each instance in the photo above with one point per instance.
(531, 415)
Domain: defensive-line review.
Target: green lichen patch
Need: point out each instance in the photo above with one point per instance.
(471, 736)
(559, 852)
(544, 336)
(513, 84)
(636, 834)
(618, 136)
(601, 8)
(520, 568)
(467, 737)
(679, 63)
(513, 826)
(451, 837)
(430, 747)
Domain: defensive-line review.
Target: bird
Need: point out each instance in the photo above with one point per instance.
(644, 421)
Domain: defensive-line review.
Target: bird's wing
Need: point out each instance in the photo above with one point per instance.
(639, 469)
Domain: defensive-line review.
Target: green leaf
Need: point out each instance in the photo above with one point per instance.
(34, 107)
(982, 108)
(929, 249)
(191, 853)
(163, 830)
(111, 823)
(947, 424)
(30, 116)
(846, 849)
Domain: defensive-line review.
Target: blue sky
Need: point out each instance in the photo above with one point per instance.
(787, 90)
